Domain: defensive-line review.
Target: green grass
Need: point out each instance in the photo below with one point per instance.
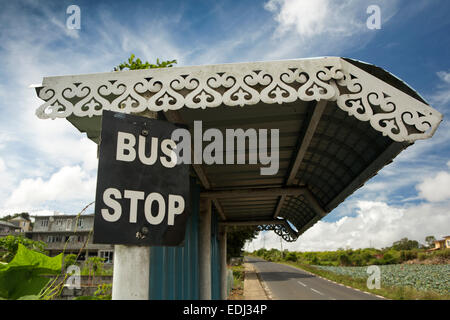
(238, 276)
(237, 291)
(389, 292)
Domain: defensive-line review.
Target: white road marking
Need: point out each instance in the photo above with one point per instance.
(302, 283)
(317, 291)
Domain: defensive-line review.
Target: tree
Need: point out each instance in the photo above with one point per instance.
(131, 64)
(291, 256)
(236, 238)
(405, 244)
(344, 259)
(24, 215)
(430, 241)
(95, 264)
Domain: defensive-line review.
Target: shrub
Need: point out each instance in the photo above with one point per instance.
(104, 291)
(422, 256)
(366, 257)
(69, 260)
(389, 258)
(10, 244)
(344, 259)
(406, 255)
(443, 253)
(357, 261)
(94, 266)
(291, 256)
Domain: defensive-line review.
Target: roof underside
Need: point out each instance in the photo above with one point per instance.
(341, 148)
(338, 126)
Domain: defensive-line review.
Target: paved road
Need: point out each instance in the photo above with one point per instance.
(289, 283)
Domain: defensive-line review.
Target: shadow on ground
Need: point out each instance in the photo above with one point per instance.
(282, 276)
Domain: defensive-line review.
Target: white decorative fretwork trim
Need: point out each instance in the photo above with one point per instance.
(389, 110)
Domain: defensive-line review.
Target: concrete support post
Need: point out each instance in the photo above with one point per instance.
(131, 275)
(204, 249)
(223, 262)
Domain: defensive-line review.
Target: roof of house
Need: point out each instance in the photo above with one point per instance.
(18, 218)
(15, 222)
(8, 224)
(63, 216)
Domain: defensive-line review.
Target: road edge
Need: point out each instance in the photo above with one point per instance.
(264, 286)
(253, 287)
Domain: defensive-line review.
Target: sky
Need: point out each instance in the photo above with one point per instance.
(48, 166)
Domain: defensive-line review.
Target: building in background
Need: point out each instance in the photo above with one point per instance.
(22, 223)
(15, 224)
(71, 234)
(442, 244)
(8, 228)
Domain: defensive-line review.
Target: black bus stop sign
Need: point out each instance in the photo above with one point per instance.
(142, 195)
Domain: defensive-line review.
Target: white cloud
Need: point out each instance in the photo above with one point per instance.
(436, 188)
(309, 18)
(304, 28)
(301, 28)
(445, 76)
(34, 149)
(442, 96)
(376, 224)
(324, 17)
(69, 183)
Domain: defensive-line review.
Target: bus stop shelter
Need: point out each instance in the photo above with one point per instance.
(340, 121)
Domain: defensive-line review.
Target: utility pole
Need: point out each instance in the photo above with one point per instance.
(281, 247)
(264, 239)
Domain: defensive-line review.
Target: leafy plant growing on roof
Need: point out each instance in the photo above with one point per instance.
(137, 64)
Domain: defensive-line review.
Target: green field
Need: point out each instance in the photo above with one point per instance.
(420, 277)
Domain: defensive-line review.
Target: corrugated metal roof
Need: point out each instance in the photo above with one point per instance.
(340, 149)
(387, 77)
(8, 224)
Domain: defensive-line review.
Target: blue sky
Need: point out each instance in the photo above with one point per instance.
(48, 166)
